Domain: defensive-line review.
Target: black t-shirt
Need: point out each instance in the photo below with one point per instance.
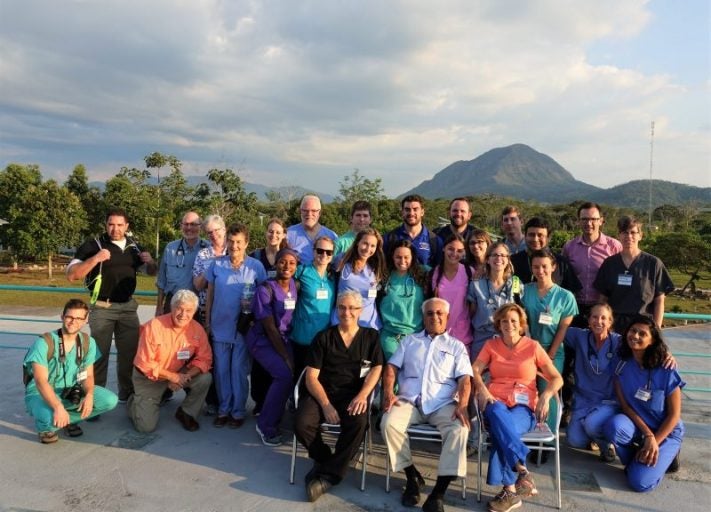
(339, 366)
(118, 274)
(563, 275)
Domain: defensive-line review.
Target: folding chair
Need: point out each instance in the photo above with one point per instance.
(540, 438)
(421, 432)
(333, 430)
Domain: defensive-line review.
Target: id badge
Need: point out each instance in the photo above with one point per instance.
(81, 375)
(643, 394)
(289, 304)
(183, 355)
(545, 319)
(372, 293)
(322, 294)
(624, 280)
(521, 397)
(364, 369)
(271, 274)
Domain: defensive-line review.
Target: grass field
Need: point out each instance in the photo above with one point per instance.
(146, 283)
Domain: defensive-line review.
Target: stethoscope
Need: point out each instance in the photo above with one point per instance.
(408, 288)
(593, 352)
(180, 253)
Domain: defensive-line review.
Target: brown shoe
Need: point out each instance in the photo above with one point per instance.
(187, 421)
(235, 422)
(48, 437)
(220, 421)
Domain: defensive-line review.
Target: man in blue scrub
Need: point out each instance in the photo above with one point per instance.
(301, 237)
(176, 266)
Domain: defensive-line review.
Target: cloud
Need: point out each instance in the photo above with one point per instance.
(314, 89)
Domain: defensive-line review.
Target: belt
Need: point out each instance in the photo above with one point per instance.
(108, 301)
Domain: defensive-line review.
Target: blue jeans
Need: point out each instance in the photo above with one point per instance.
(505, 426)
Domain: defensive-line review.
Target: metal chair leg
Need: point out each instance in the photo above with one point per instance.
(293, 460)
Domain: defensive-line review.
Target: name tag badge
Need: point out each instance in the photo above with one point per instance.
(372, 293)
(81, 375)
(545, 319)
(624, 280)
(643, 394)
(271, 274)
(322, 294)
(289, 304)
(183, 355)
(521, 398)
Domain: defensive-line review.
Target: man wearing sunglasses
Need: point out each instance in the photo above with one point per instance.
(176, 266)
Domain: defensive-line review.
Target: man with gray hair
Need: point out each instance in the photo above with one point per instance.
(301, 237)
(173, 353)
(433, 374)
(176, 266)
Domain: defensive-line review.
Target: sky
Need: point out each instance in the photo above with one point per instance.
(306, 92)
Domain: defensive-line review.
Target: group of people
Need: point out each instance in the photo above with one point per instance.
(433, 320)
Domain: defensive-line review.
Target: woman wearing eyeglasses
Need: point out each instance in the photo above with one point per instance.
(316, 284)
(362, 269)
(476, 247)
(400, 305)
(497, 287)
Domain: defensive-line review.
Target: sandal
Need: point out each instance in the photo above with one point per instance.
(48, 437)
(73, 430)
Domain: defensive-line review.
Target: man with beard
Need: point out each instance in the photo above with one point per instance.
(426, 244)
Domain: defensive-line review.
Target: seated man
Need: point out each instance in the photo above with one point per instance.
(342, 368)
(59, 377)
(433, 375)
(173, 353)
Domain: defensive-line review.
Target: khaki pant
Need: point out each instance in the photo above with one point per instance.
(452, 459)
(144, 405)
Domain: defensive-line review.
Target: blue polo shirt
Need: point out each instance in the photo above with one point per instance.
(426, 253)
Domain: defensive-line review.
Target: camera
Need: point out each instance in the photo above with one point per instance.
(74, 394)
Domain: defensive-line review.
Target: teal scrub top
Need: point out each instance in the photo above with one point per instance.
(56, 371)
(312, 314)
(401, 307)
(558, 302)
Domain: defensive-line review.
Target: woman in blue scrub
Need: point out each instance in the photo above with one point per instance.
(403, 294)
(362, 269)
(497, 287)
(594, 401)
(475, 249)
(316, 284)
(232, 281)
(649, 432)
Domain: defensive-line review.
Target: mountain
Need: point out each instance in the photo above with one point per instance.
(635, 194)
(521, 172)
(516, 171)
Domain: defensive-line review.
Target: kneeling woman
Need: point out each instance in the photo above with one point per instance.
(509, 402)
(268, 342)
(649, 431)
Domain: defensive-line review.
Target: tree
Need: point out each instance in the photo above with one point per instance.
(15, 182)
(358, 188)
(90, 197)
(685, 251)
(130, 189)
(175, 188)
(227, 197)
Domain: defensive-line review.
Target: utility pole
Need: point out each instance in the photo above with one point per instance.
(651, 164)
